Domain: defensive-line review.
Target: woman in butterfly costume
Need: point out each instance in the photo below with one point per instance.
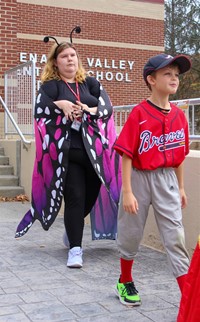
(75, 159)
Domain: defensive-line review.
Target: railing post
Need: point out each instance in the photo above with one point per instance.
(13, 122)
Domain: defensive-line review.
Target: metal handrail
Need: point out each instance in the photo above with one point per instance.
(189, 101)
(22, 76)
(13, 122)
(192, 102)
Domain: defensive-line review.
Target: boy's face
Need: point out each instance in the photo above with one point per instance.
(165, 80)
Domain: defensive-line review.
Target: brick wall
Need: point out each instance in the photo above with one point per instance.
(8, 37)
(23, 26)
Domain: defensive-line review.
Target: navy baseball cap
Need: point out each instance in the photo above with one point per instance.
(162, 60)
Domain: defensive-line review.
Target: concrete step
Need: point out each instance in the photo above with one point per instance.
(9, 180)
(1, 151)
(4, 160)
(11, 192)
(9, 183)
(6, 169)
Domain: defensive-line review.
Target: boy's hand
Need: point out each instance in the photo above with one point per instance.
(183, 198)
(130, 203)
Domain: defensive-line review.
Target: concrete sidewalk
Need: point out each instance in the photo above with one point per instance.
(36, 285)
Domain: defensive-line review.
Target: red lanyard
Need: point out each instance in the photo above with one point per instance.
(77, 95)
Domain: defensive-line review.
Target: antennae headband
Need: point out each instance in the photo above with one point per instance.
(76, 29)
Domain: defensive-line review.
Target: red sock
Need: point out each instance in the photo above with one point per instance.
(181, 281)
(126, 270)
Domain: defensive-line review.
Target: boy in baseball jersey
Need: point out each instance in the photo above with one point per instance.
(153, 144)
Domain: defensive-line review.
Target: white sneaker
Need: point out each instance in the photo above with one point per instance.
(65, 239)
(75, 257)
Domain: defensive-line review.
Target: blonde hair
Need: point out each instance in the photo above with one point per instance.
(50, 71)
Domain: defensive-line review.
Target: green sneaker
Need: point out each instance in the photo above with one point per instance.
(128, 294)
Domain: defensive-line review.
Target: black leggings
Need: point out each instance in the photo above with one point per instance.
(80, 193)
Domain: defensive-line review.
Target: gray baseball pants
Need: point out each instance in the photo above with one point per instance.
(158, 188)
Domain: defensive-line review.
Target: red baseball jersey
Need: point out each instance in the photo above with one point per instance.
(153, 139)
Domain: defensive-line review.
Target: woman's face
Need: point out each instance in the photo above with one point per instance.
(67, 63)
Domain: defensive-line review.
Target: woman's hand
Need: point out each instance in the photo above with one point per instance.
(78, 111)
(67, 107)
(85, 108)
